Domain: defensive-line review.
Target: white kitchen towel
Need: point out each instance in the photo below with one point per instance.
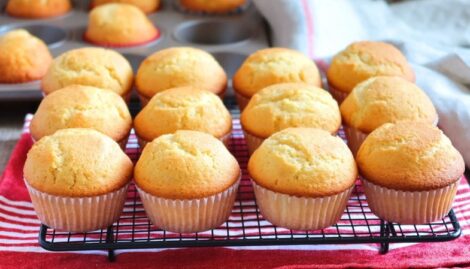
(433, 34)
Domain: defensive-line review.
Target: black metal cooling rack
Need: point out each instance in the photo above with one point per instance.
(246, 226)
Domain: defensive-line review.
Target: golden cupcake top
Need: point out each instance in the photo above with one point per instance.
(89, 66)
(118, 24)
(409, 156)
(146, 6)
(304, 162)
(23, 57)
(272, 66)
(212, 6)
(186, 165)
(386, 99)
(285, 105)
(184, 108)
(365, 59)
(79, 106)
(38, 9)
(179, 67)
(77, 163)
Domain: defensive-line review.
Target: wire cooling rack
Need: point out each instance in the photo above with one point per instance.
(246, 226)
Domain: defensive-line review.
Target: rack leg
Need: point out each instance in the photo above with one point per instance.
(109, 239)
(384, 232)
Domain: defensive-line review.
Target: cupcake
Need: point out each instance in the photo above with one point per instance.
(178, 67)
(79, 106)
(363, 60)
(272, 66)
(213, 6)
(380, 100)
(188, 181)
(23, 57)
(302, 178)
(147, 6)
(97, 67)
(34, 9)
(285, 105)
(77, 180)
(184, 108)
(410, 172)
(119, 25)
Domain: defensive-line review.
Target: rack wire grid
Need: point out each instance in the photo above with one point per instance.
(246, 226)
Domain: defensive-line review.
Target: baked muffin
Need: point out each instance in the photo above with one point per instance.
(383, 99)
(185, 108)
(285, 105)
(77, 106)
(188, 181)
(101, 68)
(178, 67)
(77, 179)
(212, 6)
(147, 6)
(410, 172)
(34, 9)
(272, 66)
(363, 60)
(119, 25)
(23, 57)
(299, 172)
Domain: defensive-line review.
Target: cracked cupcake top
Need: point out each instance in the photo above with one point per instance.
(77, 163)
(365, 59)
(186, 165)
(101, 68)
(303, 162)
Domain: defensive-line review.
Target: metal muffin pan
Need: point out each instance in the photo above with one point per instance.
(230, 38)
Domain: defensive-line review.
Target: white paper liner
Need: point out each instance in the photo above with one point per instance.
(78, 214)
(252, 142)
(242, 101)
(337, 94)
(409, 207)
(300, 213)
(226, 139)
(192, 215)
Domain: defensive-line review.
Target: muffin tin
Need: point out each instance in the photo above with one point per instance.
(230, 38)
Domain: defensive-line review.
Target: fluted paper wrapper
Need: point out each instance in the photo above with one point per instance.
(78, 214)
(242, 101)
(409, 207)
(252, 142)
(337, 94)
(300, 213)
(355, 138)
(192, 215)
(226, 139)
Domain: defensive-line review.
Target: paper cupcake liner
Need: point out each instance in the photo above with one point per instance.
(192, 215)
(226, 139)
(337, 94)
(356, 137)
(409, 207)
(144, 100)
(78, 214)
(252, 142)
(235, 11)
(300, 213)
(242, 101)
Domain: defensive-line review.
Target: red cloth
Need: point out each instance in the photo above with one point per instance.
(19, 247)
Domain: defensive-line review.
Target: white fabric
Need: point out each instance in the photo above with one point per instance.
(433, 34)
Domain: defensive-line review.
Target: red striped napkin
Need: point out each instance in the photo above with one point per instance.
(19, 232)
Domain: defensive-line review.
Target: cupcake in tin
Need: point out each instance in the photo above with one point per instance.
(285, 105)
(179, 67)
(23, 57)
(302, 178)
(102, 68)
(410, 172)
(34, 9)
(147, 6)
(185, 108)
(119, 25)
(188, 181)
(272, 66)
(213, 6)
(383, 99)
(77, 180)
(363, 60)
(79, 106)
